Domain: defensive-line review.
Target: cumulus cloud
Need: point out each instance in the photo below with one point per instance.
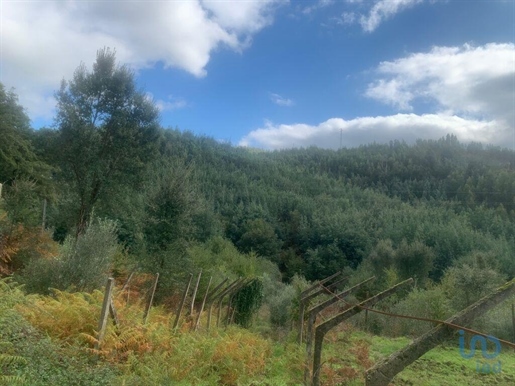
(43, 42)
(383, 10)
(381, 129)
(472, 90)
(242, 16)
(281, 101)
(471, 81)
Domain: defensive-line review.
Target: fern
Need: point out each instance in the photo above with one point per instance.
(6, 362)
(12, 380)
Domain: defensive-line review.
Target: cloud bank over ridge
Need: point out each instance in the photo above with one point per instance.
(472, 90)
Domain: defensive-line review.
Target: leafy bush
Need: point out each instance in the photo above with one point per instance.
(430, 303)
(83, 263)
(280, 306)
(471, 278)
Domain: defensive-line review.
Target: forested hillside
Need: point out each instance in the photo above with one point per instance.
(107, 192)
(310, 211)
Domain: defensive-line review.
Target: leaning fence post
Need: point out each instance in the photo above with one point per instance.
(195, 292)
(323, 328)
(149, 304)
(303, 302)
(312, 315)
(102, 323)
(383, 371)
(179, 310)
(203, 304)
(223, 295)
(213, 298)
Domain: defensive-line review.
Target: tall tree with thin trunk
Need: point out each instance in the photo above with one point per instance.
(108, 130)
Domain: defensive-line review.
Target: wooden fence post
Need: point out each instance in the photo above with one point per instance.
(214, 293)
(383, 371)
(179, 310)
(213, 298)
(231, 311)
(230, 292)
(102, 323)
(126, 285)
(223, 295)
(195, 293)
(149, 304)
(303, 303)
(312, 315)
(202, 305)
(323, 328)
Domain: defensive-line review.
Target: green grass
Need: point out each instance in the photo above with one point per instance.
(439, 367)
(445, 366)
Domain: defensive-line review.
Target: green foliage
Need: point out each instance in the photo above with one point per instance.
(170, 202)
(280, 298)
(381, 258)
(431, 303)
(17, 154)
(8, 361)
(414, 260)
(107, 131)
(247, 302)
(218, 257)
(471, 278)
(22, 203)
(32, 358)
(259, 236)
(83, 264)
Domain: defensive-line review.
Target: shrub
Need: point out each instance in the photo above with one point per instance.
(431, 303)
(281, 306)
(82, 264)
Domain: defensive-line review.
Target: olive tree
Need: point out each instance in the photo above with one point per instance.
(108, 130)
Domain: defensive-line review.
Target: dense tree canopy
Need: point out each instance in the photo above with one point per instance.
(107, 130)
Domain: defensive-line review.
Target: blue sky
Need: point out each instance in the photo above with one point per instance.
(276, 74)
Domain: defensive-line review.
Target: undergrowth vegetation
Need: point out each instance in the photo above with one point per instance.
(56, 334)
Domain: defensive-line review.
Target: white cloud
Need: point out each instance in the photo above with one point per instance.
(472, 81)
(473, 89)
(319, 4)
(354, 132)
(376, 12)
(281, 101)
(43, 42)
(348, 18)
(242, 16)
(171, 103)
(383, 10)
